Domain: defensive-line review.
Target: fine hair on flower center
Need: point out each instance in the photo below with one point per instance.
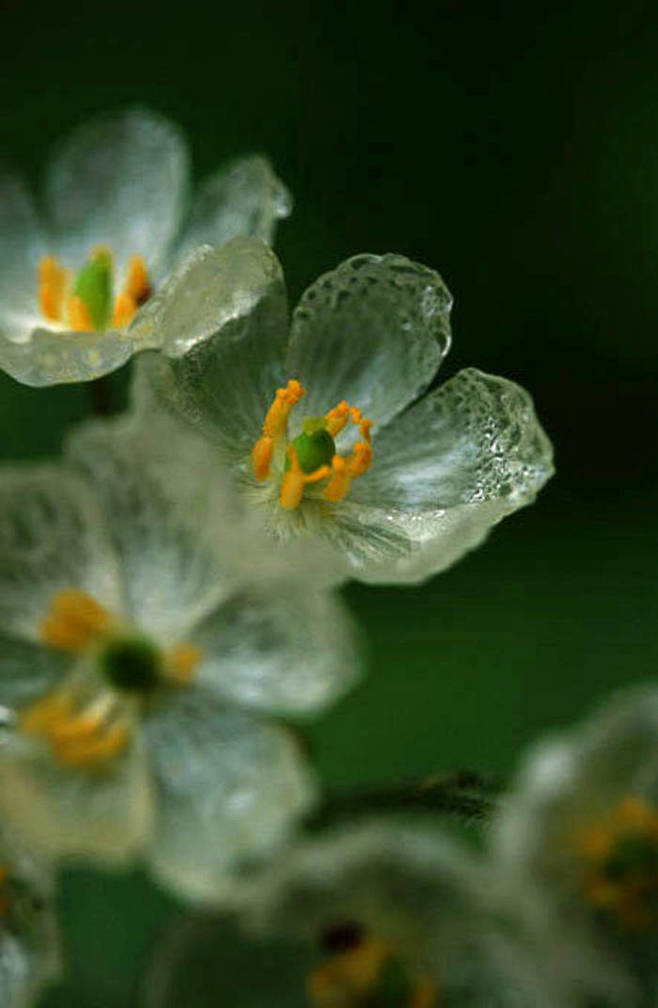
(311, 457)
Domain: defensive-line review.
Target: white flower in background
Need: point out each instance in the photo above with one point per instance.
(146, 644)
(379, 916)
(317, 420)
(115, 222)
(29, 952)
(581, 829)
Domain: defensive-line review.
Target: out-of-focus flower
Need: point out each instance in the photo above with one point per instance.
(581, 829)
(317, 422)
(145, 641)
(115, 223)
(382, 915)
(29, 953)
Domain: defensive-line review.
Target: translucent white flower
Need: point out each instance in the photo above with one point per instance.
(317, 420)
(29, 952)
(115, 222)
(382, 915)
(146, 643)
(581, 829)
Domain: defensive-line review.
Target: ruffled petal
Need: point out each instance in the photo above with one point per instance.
(373, 332)
(57, 811)
(119, 181)
(221, 321)
(52, 538)
(169, 517)
(229, 789)
(282, 647)
(244, 198)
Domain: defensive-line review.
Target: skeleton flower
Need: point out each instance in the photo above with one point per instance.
(381, 915)
(28, 940)
(114, 225)
(318, 422)
(145, 640)
(581, 828)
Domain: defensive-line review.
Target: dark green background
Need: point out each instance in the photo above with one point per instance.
(515, 148)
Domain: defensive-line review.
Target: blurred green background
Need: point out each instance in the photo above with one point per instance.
(512, 146)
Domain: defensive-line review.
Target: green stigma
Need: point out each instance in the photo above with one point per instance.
(131, 664)
(315, 447)
(93, 285)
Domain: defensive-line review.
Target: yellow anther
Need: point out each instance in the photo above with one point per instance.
(337, 418)
(78, 315)
(181, 663)
(294, 481)
(274, 427)
(74, 621)
(137, 284)
(261, 456)
(124, 310)
(340, 481)
(53, 283)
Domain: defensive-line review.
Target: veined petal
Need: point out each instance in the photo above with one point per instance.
(52, 539)
(281, 647)
(57, 811)
(229, 788)
(221, 322)
(120, 181)
(373, 332)
(475, 439)
(243, 198)
(167, 513)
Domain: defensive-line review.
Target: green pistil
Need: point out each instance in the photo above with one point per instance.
(93, 285)
(314, 448)
(131, 664)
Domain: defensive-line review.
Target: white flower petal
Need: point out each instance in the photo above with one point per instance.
(54, 356)
(28, 670)
(21, 246)
(373, 332)
(281, 647)
(229, 788)
(119, 181)
(221, 319)
(168, 515)
(101, 813)
(51, 539)
(243, 198)
(474, 439)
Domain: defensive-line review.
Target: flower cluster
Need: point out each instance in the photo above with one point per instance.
(168, 616)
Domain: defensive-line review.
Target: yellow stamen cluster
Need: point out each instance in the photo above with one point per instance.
(339, 473)
(61, 306)
(622, 851)
(74, 622)
(79, 736)
(350, 978)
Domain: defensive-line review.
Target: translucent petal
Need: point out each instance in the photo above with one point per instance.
(54, 356)
(282, 647)
(571, 781)
(120, 181)
(373, 331)
(394, 547)
(28, 670)
(168, 516)
(221, 319)
(229, 788)
(52, 538)
(59, 811)
(475, 439)
(21, 246)
(244, 198)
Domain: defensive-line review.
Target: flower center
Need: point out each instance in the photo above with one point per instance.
(88, 722)
(363, 971)
(622, 849)
(311, 457)
(86, 302)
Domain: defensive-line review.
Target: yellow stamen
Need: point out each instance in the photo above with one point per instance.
(53, 284)
(137, 283)
(124, 310)
(274, 427)
(353, 972)
(344, 470)
(94, 751)
(181, 663)
(337, 418)
(77, 738)
(294, 481)
(79, 317)
(74, 621)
